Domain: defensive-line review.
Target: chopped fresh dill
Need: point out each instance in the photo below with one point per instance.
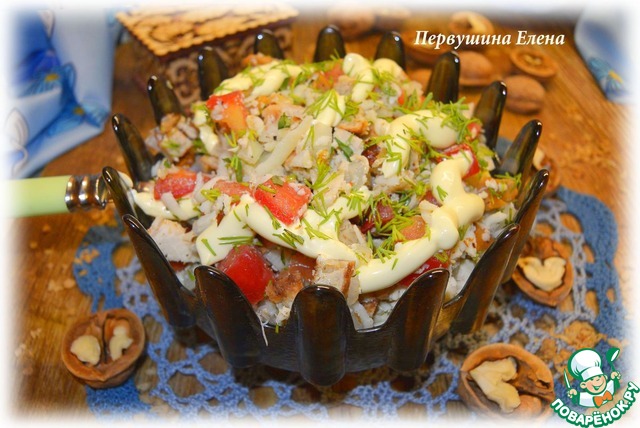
(284, 121)
(198, 144)
(290, 238)
(442, 256)
(235, 240)
(328, 99)
(395, 262)
(211, 194)
(348, 151)
(324, 176)
(506, 176)
(356, 201)
(462, 231)
(205, 242)
(274, 221)
(351, 108)
(267, 189)
(235, 164)
(442, 194)
(313, 232)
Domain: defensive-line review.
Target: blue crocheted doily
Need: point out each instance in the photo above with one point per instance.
(227, 395)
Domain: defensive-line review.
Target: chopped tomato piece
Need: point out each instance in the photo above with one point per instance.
(287, 202)
(401, 98)
(475, 129)
(457, 148)
(432, 263)
(246, 266)
(382, 215)
(415, 100)
(232, 109)
(232, 188)
(179, 184)
(328, 78)
(415, 229)
(429, 197)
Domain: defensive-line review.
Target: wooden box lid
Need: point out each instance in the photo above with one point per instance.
(171, 31)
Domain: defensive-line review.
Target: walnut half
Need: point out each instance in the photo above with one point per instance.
(506, 380)
(102, 350)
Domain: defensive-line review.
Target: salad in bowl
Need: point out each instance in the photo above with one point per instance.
(327, 217)
(341, 172)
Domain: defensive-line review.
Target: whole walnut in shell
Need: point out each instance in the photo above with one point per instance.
(507, 368)
(525, 95)
(475, 69)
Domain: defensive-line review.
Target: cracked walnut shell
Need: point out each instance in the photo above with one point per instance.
(533, 62)
(542, 161)
(532, 380)
(543, 248)
(102, 349)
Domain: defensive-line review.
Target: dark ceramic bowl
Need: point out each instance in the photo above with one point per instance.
(319, 339)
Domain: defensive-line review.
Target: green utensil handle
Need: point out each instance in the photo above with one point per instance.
(55, 195)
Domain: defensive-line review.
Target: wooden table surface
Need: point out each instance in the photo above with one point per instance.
(586, 134)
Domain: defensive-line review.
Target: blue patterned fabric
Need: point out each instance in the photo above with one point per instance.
(602, 37)
(61, 81)
(226, 395)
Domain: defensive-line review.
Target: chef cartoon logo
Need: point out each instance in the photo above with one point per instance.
(594, 389)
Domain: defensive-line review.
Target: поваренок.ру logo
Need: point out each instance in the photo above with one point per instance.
(596, 389)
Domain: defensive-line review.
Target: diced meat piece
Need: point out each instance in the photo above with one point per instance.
(371, 153)
(297, 274)
(370, 304)
(358, 126)
(175, 242)
(338, 274)
(288, 282)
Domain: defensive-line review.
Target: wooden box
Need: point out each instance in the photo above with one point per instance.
(167, 40)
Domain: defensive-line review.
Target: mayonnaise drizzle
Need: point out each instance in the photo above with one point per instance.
(423, 123)
(248, 217)
(265, 79)
(458, 208)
